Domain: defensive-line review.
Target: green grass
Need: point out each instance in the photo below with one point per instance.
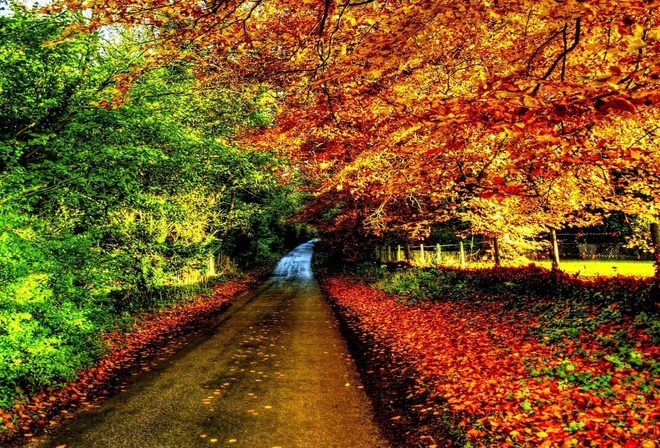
(592, 268)
(586, 268)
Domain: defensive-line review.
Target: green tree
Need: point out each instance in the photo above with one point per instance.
(113, 181)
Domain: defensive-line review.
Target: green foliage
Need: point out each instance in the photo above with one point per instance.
(111, 192)
(416, 285)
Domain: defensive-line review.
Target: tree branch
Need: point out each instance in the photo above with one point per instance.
(576, 40)
(364, 2)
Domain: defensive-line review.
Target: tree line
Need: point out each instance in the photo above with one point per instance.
(108, 193)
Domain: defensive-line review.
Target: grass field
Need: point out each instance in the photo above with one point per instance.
(586, 268)
(592, 268)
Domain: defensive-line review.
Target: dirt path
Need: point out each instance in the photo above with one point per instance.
(274, 372)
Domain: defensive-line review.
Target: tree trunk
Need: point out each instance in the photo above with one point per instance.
(655, 237)
(555, 249)
(498, 256)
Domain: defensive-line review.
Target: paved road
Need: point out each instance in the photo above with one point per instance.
(273, 372)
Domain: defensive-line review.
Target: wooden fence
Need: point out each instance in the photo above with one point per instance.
(421, 255)
(562, 246)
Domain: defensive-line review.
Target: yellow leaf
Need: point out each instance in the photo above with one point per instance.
(636, 43)
(530, 101)
(542, 434)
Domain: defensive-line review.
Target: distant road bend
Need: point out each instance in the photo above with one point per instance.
(273, 371)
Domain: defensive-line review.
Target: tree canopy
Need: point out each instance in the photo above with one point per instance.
(518, 116)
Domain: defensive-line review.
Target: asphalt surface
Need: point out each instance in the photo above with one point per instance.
(272, 371)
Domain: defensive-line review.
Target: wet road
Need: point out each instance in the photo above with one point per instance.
(274, 371)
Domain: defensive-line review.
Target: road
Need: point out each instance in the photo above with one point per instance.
(273, 371)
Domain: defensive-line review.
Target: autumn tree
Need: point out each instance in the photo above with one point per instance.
(420, 110)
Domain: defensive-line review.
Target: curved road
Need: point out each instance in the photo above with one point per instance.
(275, 372)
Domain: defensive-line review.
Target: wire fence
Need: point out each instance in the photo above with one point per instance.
(440, 254)
(450, 254)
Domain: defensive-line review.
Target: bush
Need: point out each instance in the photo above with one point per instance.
(631, 294)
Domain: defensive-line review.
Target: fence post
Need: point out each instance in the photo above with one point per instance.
(462, 253)
(211, 266)
(655, 237)
(555, 249)
(421, 255)
(438, 254)
(398, 252)
(498, 256)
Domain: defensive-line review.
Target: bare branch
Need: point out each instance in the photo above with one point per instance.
(576, 40)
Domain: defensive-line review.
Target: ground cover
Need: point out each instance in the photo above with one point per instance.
(512, 369)
(150, 338)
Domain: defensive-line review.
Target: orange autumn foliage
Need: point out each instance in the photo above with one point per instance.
(541, 112)
(501, 383)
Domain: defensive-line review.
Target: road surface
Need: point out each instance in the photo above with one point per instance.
(273, 371)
